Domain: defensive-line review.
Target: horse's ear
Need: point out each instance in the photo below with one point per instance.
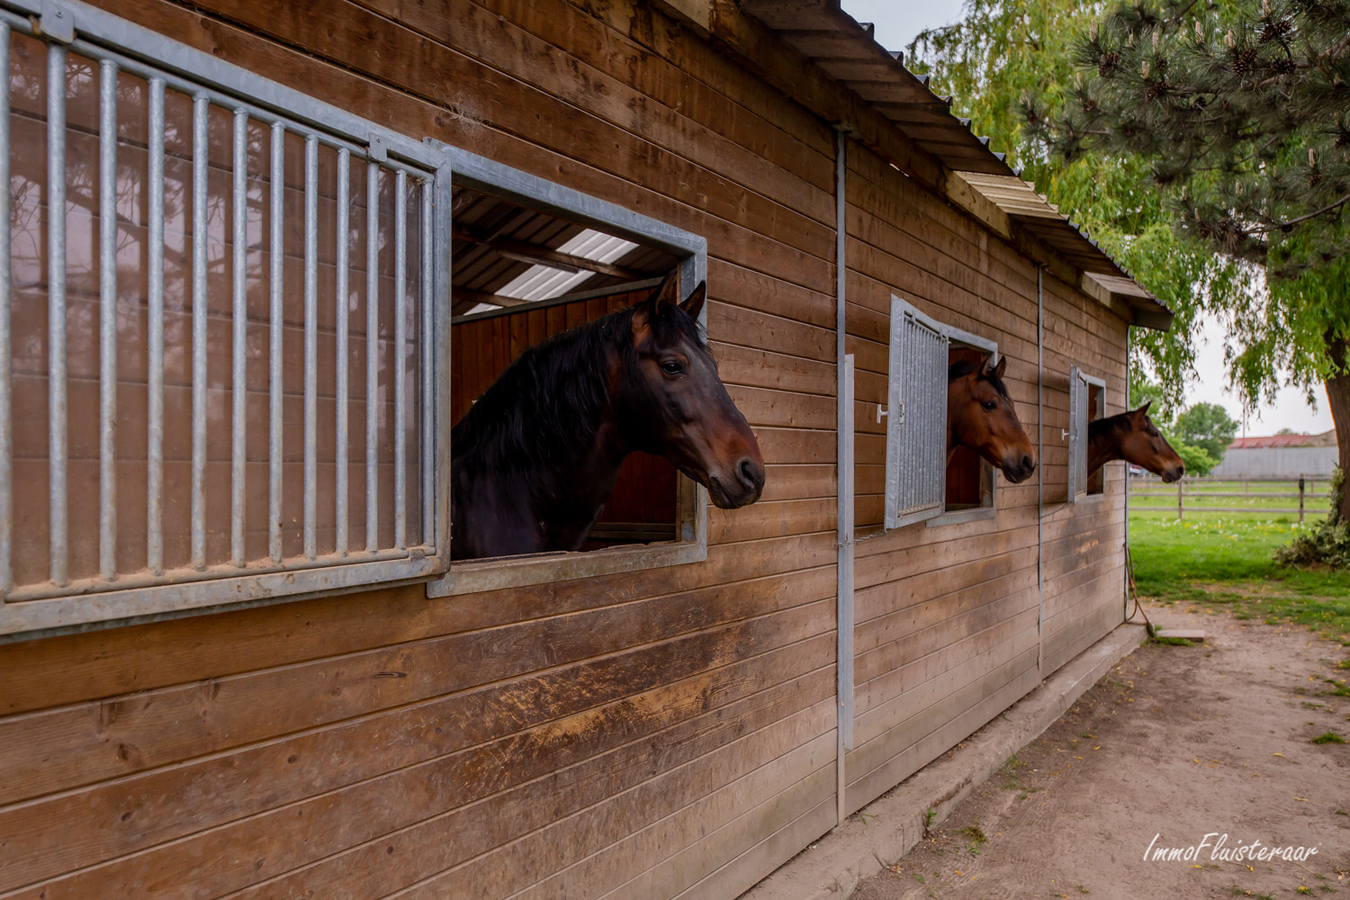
(1143, 410)
(666, 294)
(997, 371)
(694, 303)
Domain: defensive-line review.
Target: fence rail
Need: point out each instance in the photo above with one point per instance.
(1190, 489)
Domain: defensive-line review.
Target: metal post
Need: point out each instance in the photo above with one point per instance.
(1180, 507)
(154, 478)
(340, 311)
(1040, 467)
(56, 305)
(844, 487)
(239, 389)
(107, 331)
(311, 342)
(200, 108)
(400, 336)
(276, 332)
(1300, 499)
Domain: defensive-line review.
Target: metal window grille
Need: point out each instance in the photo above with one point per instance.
(220, 328)
(916, 421)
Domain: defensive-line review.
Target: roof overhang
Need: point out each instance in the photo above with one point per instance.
(975, 177)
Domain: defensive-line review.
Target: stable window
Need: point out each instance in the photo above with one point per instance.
(222, 346)
(922, 483)
(1087, 403)
(532, 259)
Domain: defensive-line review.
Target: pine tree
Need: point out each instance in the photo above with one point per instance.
(1241, 110)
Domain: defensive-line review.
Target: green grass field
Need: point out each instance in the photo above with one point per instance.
(1219, 561)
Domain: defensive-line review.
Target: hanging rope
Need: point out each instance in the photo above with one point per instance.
(1134, 592)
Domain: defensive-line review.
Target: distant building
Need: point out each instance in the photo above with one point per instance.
(1280, 456)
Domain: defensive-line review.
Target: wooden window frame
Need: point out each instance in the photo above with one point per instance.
(988, 507)
(922, 395)
(691, 544)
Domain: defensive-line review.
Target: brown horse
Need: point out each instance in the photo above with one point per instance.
(980, 416)
(1132, 436)
(535, 458)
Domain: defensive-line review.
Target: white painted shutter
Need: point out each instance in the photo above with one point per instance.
(916, 422)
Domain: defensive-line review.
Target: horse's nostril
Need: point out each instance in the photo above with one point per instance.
(750, 473)
(1027, 463)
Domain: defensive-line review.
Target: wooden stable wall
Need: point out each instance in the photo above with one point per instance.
(947, 616)
(668, 733)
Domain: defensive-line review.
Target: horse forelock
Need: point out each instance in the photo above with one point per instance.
(964, 367)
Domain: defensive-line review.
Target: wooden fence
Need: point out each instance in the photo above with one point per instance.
(1192, 494)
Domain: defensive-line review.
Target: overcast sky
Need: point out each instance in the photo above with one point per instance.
(897, 23)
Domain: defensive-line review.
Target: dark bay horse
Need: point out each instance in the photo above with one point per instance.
(980, 416)
(1133, 437)
(535, 458)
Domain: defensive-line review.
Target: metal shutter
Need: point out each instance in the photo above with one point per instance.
(916, 444)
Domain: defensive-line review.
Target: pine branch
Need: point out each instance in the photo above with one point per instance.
(1281, 226)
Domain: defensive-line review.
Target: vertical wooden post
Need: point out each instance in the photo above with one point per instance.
(1179, 502)
(1300, 499)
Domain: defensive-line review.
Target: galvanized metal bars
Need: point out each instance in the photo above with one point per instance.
(56, 307)
(107, 324)
(239, 344)
(186, 511)
(340, 314)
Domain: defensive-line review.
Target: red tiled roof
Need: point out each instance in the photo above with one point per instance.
(1272, 440)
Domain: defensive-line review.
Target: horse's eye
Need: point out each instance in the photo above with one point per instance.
(990, 405)
(672, 367)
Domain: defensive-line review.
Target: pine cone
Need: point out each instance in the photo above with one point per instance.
(1243, 63)
(1314, 178)
(1110, 62)
(1343, 139)
(1156, 90)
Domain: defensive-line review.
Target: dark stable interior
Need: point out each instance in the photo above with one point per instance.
(495, 243)
(965, 471)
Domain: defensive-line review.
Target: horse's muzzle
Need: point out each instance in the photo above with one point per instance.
(1019, 470)
(741, 488)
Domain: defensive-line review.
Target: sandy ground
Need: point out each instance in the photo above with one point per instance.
(1177, 743)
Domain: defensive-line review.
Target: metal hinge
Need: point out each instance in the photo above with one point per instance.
(57, 22)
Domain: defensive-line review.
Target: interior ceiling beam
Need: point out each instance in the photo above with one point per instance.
(523, 251)
(463, 299)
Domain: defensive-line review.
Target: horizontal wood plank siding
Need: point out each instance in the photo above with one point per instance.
(654, 734)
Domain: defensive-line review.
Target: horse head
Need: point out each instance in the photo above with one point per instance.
(980, 415)
(1141, 444)
(669, 401)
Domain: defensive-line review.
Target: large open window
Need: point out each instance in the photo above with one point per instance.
(531, 259)
(922, 484)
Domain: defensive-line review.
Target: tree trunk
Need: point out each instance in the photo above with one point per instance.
(1338, 398)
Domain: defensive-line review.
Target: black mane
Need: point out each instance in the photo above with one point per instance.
(964, 367)
(548, 404)
(1111, 425)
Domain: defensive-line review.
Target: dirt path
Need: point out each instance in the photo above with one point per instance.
(1178, 742)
